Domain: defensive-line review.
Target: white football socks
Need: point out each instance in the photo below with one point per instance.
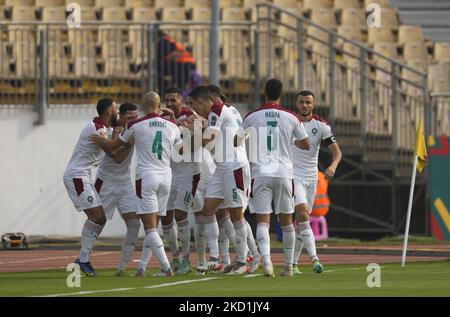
(288, 244)
(306, 234)
(89, 234)
(263, 238)
(129, 243)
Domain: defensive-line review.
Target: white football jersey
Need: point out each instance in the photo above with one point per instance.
(87, 154)
(274, 129)
(305, 162)
(154, 139)
(222, 119)
(118, 173)
(185, 169)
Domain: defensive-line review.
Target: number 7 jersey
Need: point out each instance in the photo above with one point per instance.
(154, 139)
(270, 149)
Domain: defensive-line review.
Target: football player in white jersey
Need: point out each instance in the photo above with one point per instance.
(155, 139)
(226, 228)
(78, 179)
(115, 187)
(231, 179)
(272, 129)
(185, 179)
(305, 175)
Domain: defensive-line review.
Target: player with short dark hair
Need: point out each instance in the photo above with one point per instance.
(115, 187)
(305, 175)
(77, 179)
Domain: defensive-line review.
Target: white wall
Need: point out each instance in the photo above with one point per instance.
(33, 198)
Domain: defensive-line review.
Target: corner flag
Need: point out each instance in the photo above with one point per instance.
(420, 161)
(421, 148)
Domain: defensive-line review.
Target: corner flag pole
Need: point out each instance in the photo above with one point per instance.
(420, 161)
(408, 217)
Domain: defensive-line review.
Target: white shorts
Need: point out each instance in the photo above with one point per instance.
(271, 194)
(82, 193)
(305, 193)
(152, 193)
(182, 192)
(199, 197)
(231, 186)
(114, 195)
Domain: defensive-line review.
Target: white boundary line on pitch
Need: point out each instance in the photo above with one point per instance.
(55, 258)
(130, 288)
(252, 275)
(349, 269)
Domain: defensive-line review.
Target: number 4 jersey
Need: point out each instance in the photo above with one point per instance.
(154, 139)
(274, 129)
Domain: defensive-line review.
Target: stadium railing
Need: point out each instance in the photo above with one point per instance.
(373, 106)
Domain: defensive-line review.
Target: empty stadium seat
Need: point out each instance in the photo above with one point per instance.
(173, 14)
(50, 3)
(251, 4)
(53, 14)
(389, 18)
(415, 51)
(114, 14)
(82, 3)
(380, 35)
(159, 4)
(381, 3)
(117, 68)
(191, 4)
(345, 4)
(88, 14)
(108, 3)
(24, 55)
(288, 4)
(138, 3)
(19, 3)
(229, 3)
(23, 14)
(233, 44)
(442, 51)
(85, 67)
(59, 68)
(353, 17)
(201, 14)
(410, 33)
(324, 17)
(311, 4)
(144, 14)
(350, 32)
(386, 49)
(233, 14)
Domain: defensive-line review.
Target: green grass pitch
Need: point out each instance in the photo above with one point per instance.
(416, 279)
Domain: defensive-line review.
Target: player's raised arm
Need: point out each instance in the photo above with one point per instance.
(337, 156)
(108, 146)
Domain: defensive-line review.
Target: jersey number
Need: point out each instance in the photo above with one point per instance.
(157, 145)
(271, 134)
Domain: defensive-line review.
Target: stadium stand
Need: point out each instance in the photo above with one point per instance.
(118, 46)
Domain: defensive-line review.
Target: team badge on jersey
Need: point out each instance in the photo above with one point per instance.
(213, 120)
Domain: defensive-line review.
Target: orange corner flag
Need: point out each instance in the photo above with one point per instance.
(421, 148)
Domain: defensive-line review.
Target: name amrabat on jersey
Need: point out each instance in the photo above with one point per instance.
(157, 124)
(272, 114)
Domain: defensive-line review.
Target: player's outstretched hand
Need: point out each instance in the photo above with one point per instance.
(97, 138)
(117, 131)
(329, 172)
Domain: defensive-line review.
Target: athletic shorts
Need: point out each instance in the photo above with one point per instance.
(114, 195)
(82, 193)
(199, 197)
(271, 194)
(305, 193)
(182, 192)
(152, 193)
(231, 186)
